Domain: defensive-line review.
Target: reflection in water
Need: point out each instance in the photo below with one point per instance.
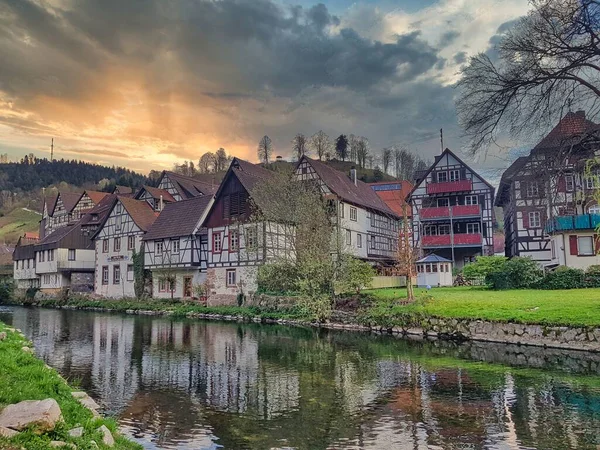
(191, 384)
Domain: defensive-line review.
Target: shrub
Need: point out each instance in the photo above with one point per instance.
(515, 273)
(564, 278)
(6, 291)
(483, 266)
(279, 277)
(592, 276)
(354, 275)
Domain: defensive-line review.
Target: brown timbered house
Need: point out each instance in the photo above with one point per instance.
(176, 248)
(452, 211)
(548, 183)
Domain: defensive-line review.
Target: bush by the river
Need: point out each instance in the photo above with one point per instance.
(6, 291)
(515, 273)
(564, 278)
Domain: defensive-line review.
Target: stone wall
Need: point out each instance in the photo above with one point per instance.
(82, 282)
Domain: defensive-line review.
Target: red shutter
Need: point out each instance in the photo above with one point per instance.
(596, 244)
(525, 220)
(562, 184)
(573, 245)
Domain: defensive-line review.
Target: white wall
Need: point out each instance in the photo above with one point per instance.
(562, 251)
(197, 279)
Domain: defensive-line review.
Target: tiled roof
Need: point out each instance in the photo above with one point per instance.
(339, 183)
(31, 235)
(123, 190)
(571, 126)
(71, 236)
(96, 196)
(157, 193)
(190, 187)
(140, 211)
(396, 199)
(70, 199)
(51, 204)
(101, 211)
(179, 218)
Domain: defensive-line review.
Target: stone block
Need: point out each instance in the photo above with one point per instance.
(43, 415)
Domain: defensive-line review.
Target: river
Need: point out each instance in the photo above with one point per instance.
(205, 385)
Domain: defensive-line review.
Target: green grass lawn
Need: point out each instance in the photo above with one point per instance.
(25, 377)
(576, 307)
(17, 222)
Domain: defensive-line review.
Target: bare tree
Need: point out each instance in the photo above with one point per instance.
(300, 145)
(407, 255)
(386, 159)
(320, 144)
(353, 145)
(362, 151)
(205, 164)
(265, 149)
(549, 62)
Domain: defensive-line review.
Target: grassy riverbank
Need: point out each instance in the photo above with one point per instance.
(25, 377)
(574, 307)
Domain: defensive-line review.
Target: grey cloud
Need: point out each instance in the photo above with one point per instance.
(448, 38)
(460, 57)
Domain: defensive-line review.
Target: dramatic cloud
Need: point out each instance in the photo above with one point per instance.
(147, 83)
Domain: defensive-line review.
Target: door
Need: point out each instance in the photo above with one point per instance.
(187, 286)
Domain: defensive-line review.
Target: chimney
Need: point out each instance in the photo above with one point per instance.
(161, 203)
(353, 175)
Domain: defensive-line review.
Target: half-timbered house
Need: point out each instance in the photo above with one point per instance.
(176, 248)
(574, 241)
(115, 241)
(452, 211)
(549, 182)
(66, 208)
(367, 227)
(155, 197)
(24, 263)
(182, 187)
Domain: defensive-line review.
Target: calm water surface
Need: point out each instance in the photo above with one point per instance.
(191, 384)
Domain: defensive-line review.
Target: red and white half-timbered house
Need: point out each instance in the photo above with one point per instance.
(452, 211)
(176, 248)
(116, 239)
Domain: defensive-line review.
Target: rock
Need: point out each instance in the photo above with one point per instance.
(27, 349)
(93, 444)
(2, 335)
(42, 414)
(76, 432)
(62, 444)
(107, 437)
(87, 401)
(7, 432)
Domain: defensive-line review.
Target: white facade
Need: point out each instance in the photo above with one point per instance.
(434, 273)
(24, 273)
(575, 248)
(54, 266)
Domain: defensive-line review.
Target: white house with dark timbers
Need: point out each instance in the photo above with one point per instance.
(452, 211)
(182, 187)
(115, 241)
(24, 264)
(176, 248)
(367, 227)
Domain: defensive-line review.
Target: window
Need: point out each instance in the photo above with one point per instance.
(119, 208)
(175, 245)
(471, 200)
(569, 183)
(234, 240)
(553, 248)
(42, 256)
(535, 220)
(158, 247)
(118, 223)
(341, 210)
(117, 274)
(217, 242)
(443, 202)
(250, 237)
(595, 209)
(372, 219)
(105, 246)
(585, 244)
(130, 272)
(348, 237)
(593, 180)
(454, 175)
(359, 240)
(117, 244)
(71, 254)
(434, 268)
(230, 277)
(430, 230)
(353, 213)
(28, 263)
(531, 189)
(473, 228)
(130, 242)
(50, 255)
(442, 177)
(428, 268)
(104, 274)
(443, 229)
(372, 241)
(162, 285)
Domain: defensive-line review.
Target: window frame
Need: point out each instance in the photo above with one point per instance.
(532, 189)
(175, 246)
(159, 247)
(214, 242)
(130, 270)
(74, 254)
(358, 240)
(348, 237)
(443, 200)
(469, 200)
(117, 244)
(131, 242)
(451, 172)
(591, 241)
(105, 275)
(228, 282)
(439, 176)
(105, 245)
(535, 219)
(234, 238)
(117, 274)
(569, 181)
(474, 225)
(353, 214)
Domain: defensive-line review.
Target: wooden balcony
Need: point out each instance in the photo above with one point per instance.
(449, 187)
(460, 240)
(458, 211)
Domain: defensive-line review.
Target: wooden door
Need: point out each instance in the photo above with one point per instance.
(187, 286)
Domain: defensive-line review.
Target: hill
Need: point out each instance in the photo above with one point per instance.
(17, 222)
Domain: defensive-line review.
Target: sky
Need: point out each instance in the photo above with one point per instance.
(145, 84)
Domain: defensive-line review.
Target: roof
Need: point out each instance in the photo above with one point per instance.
(190, 187)
(179, 218)
(96, 196)
(24, 249)
(360, 194)
(31, 235)
(395, 198)
(51, 204)
(123, 190)
(506, 178)
(140, 211)
(100, 211)
(249, 174)
(70, 236)
(156, 193)
(70, 199)
(572, 125)
(433, 258)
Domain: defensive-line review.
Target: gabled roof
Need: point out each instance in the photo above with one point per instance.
(433, 258)
(70, 199)
(96, 196)
(249, 174)
(395, 198)
(360, 194)
(25, 248)
(122, 190)
(438, 158)
(100, 211)
(140, 211)
(180, 218)
(70, 236)
(189, 187)
(568, 129)
(51, 204)
(156, 193)
(505, 180)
